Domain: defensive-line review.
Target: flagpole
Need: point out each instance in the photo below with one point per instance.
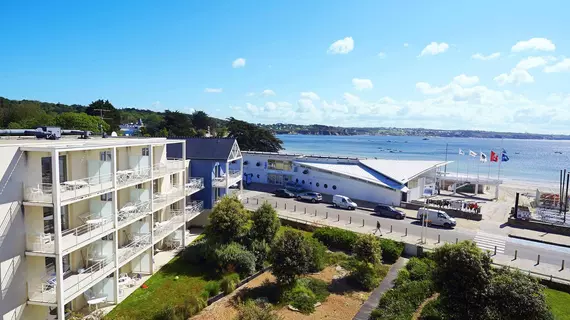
(490, 160)
(500, 160)
(479, 164)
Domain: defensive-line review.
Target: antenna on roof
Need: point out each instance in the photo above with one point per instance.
(102, 118)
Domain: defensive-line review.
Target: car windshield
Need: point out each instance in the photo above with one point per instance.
(348, 200)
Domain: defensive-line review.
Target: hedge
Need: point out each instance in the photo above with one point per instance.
(336, 238)
(400, 303)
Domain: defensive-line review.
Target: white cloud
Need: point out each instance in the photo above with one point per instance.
(466, 81)
(406, 45)
(342, 46)
(250, 94)
(238, 63)
(213, 90)
(434, 48)
(534, 62)
(362, 84)
(252, 108)
(271, 106)
(310, 95)
(381, 55)
(516, 76)
(267, 93)
(541, 44)
(492, 56)
(562, 66)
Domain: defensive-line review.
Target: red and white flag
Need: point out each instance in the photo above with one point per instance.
(494, 157)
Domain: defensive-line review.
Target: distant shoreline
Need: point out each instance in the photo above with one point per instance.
(531, 136)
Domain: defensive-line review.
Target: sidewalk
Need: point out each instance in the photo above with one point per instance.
(548, 238)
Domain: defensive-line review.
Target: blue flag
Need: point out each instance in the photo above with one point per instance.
(504, 157)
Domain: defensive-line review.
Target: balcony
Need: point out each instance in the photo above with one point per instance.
(74, 282)
(94, 226)
(193, 209)
(138, 242)
(159, 170)
(194, 185)
(233, 176)
(160, 200)
(40, 242)
(69, 190)
(164, 228)
(132, 211)
(133, 176)
(174, 164)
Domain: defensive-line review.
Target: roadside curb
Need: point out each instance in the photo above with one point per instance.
(539, 241)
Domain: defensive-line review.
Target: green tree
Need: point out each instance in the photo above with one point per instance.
(228, 220)
(514, 295)
(265, 223)
(290, 256)
(462, 276)
(201, 121)
(81, 121)
(178, 124)
(111, 115)
(252, 137)
(367, 248)
(221, 132)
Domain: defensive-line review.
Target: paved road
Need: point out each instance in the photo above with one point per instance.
(487, 236)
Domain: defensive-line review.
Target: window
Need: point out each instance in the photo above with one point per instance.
(105, 155)
(326, 186)
(107, 196)
(47, 173)
(311, 182)
(280, 165)
(303, 182)
(334, 187)
(145, 151)
(139, 186)
(258, 176)
(343, 200)
(317, 184)
(297, 180)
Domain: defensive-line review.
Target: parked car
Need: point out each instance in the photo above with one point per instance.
(343, 202)
(388, 211)
(284, 193)
(310, 196)
(437, 217)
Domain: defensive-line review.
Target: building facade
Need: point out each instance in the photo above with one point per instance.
(80, 218)
(375, 180)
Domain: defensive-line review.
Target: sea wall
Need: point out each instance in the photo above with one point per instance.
(539, 226)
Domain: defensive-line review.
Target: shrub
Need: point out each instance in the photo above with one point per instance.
(229, 283)
(265, 223)
(301, 298)
(367, 248)
(200, 252)
(251, 310)
(402, 278)
(192, 307)
(260, 250)
(336, 258)
(317, 286)
(318, 255)
(234, 257)
(291, 256)
(402, 302)
(336, 238)
(212, 288)
(228, 220)
(167, 313)
(420, 269)
(432, 311)
(364, 275)
(391, 250)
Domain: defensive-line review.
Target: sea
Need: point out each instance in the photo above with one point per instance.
(529, 160)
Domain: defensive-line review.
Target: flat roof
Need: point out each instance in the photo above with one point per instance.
(402, 170)
(74, 143)
(356, 171)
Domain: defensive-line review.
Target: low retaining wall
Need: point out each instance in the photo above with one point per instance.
(451, 212)
(539, 226)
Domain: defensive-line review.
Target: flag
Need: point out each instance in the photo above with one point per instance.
(494, 157)
(472, 153)
(483, 157)
(461, 152)
(504, 157)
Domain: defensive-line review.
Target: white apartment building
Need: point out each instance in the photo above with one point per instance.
(78, 217)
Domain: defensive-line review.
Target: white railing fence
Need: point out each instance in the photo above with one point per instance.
(139, 241)
(128, 176)
(87, 277)
(193, 185)
(132, 211)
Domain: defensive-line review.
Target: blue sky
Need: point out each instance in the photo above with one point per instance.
(348, 63)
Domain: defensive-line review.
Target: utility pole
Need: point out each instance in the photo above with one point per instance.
(101, 111)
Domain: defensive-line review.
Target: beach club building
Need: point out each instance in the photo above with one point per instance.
(375, 180)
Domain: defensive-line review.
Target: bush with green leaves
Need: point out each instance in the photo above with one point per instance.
(336, 238)
(212, 288)
(260, 250)
(317, 286)
(318, 255)
(391, 250)
(300, 297)
(254, 310)
(201, 251)
(291, 256)
(420, 268)
(364, 275)
(192, 307)
(234, 257)
(433, 311)
(401, 302)
(265, 223)
(367, 248)
(336, 258)
(402, 277)
(229, 283)
(228, 221)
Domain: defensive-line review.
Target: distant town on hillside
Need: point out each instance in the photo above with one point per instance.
(286, 128)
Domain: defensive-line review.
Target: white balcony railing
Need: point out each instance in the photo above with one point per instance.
(174, 164)
(159, 169)
(40, 242)
(137, 244)
(160, 200)
(132, 211)
(69, 190)
(194, 185)
(93, 227)
(163, 228)
(193, 209)
(130, 176)
(232, 175)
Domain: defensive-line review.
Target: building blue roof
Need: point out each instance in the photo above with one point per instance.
(209, 148)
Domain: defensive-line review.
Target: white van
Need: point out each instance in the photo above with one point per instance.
(436, 217)
(343, 202)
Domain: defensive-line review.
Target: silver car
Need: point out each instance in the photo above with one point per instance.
(310, 196)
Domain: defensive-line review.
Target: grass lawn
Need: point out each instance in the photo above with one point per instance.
(163, 290)
(559, 302)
